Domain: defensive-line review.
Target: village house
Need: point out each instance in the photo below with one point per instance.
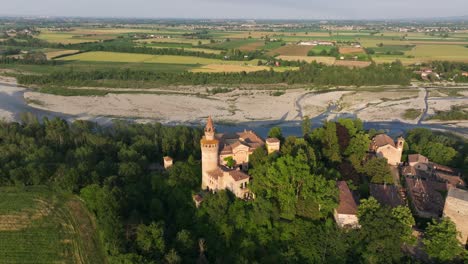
(420, 166)
(225, 158)
(346, 213)
(383, 146)
(456, 208)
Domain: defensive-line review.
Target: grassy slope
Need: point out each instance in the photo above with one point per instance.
(39, 226)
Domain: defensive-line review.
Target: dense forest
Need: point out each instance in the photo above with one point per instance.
(146, 214)
(313, 73)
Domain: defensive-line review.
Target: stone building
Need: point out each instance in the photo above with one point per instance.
(273, 145)
(168, 162)
(383, 146)
(346, 213)
(456, 208)
(218, 150)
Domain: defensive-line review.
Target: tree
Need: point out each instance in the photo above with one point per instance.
(289, 181)
(404, 216)
(381, 233)
(441, 241)
(230, 162)
(150, 238)
(378, 170)
(331, 148)
(306, 125)
(275, 132)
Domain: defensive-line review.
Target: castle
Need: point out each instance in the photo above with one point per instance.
(225, 158)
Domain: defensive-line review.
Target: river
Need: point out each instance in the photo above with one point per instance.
(12, 100)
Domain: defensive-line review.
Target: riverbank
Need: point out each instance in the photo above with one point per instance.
(383, 108)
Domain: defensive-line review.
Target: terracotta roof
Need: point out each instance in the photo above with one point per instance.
(347, 204)
(426, 195)
(417, 158)
(443, 168)
(216, 173)
(272, 140)
(386, 194)
(383, 140)
(238, 175)
(249, 137)
(167, 158)
(450, 179)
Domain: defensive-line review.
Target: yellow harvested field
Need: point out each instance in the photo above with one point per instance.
(65, 38)
(309, 59)
(229, 68)
(352, 64)
(292, 50)
(147, 58)
(52, 54)
(351, 50)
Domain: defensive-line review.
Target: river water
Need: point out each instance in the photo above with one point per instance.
(12, 100)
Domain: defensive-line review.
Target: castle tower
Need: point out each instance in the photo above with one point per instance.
(210, 150)
(273, 145)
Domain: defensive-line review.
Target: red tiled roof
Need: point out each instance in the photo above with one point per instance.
(167, 158)
(347, 204)
(238, 175)
(417, 158)
(216, 173)
(383, 140)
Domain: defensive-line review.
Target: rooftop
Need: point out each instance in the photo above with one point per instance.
(386, 194)
(347, 204)
(417, 158)
(382, 140)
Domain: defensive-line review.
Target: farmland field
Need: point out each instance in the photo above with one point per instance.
(39, 226)
(292, 50)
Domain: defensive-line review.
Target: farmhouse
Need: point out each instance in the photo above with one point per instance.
(346, 213)
(383, 146)
(225, 158)
(456, 208)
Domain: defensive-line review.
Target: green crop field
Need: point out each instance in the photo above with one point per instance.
(40, 226)
(440, 52)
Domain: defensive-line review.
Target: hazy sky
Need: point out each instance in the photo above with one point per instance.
(266, 9)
